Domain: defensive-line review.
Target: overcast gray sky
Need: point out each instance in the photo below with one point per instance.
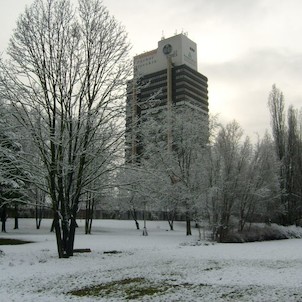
(244, 47)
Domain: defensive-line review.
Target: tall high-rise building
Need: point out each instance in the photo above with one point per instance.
(164, 77)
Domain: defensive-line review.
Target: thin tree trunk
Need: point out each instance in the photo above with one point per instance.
(134, 216)
(3, 228)
(90, 226)
(70, 244)
(3, 218)
(171, 224)
(89, 214)
(56, 224)
(16, 227)
(66, 236)
(188, 224)
(39, 216)
(145, 232)
(52, 228)
(188, 227)
(171, 218)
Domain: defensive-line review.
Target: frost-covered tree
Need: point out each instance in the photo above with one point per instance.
(178, 167)
(37, 194)
(102, 183)
(228, 160)
(288, 146)
(259, 190)
(242, 181)
(67, 67)
(11, 170)
(293, 167)
(276, 104)
(128, 197)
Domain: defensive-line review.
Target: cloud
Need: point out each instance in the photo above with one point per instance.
(239, 88)
(267, 62)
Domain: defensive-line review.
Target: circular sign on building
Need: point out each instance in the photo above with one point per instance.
(167, 49)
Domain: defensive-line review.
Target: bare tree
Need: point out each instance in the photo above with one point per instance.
(68, 68)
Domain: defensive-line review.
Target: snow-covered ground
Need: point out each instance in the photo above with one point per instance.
(126, 266)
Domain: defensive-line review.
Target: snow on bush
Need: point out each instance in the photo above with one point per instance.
(264, 232)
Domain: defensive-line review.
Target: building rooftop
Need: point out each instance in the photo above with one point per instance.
(179, 48)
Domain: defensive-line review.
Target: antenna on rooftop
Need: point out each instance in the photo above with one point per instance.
(162, 35)
(185, 33)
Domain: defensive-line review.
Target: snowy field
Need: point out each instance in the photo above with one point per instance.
(164, 266)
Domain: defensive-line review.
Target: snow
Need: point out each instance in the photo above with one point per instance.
(184, 268)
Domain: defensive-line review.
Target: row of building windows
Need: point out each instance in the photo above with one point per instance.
(195, 80)
(192, 73)
(156, 76)
(186, 94)
(157, 85)
(192, 104)
(192, 85)
(186, 88)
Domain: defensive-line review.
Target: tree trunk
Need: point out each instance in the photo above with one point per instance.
(87, 230)
(70, 243)
(3, 228)
(65, 237)
(39, 215)
(145, 231)
(171, 218)
(57, 228)
(65, 234)
(171, 224)
(188, 224)
(52, 228)
(89, 214)
(188, 227)
(3, 218)
(90, 226)
(134, 216)
(16, 227)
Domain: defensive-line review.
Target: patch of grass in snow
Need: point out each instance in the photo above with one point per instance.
(133, 288)
(8, 241)
(145, 290)
(130, 288)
